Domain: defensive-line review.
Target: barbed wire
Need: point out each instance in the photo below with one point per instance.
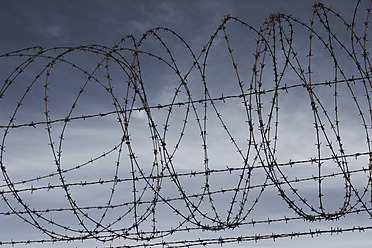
(156, 199)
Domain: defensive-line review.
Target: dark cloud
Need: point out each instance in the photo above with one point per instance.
(72, 23)
(58, 23)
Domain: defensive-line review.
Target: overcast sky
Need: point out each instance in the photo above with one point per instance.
(28, 154)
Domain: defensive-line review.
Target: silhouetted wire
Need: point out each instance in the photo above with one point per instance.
(200, 211)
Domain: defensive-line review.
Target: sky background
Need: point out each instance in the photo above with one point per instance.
(74, 23)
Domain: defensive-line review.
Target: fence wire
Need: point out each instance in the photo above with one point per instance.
(156, 199)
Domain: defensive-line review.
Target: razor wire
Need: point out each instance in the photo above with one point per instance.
(142, 197)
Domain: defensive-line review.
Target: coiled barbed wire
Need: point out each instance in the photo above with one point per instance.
(179, 183)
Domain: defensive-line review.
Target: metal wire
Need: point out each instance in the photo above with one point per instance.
(155, 199)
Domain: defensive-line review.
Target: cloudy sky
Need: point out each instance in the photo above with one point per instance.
(99, 156)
